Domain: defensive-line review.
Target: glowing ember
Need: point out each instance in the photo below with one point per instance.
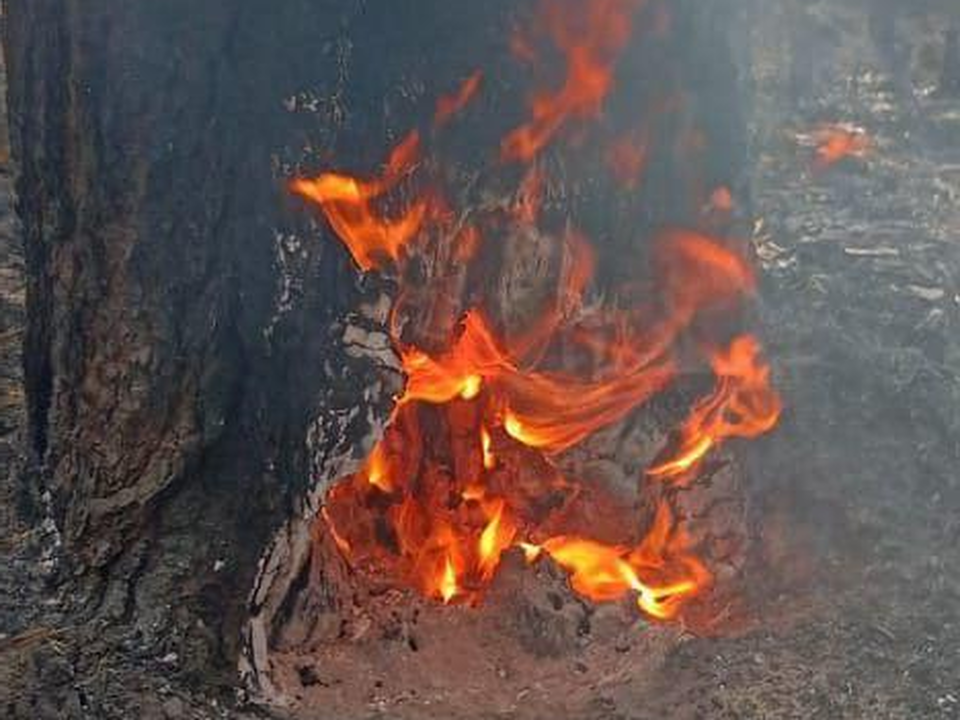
(468, 465)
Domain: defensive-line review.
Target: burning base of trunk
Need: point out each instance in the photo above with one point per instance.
(547, 482)
(346, 633)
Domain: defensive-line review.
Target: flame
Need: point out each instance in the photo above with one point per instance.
(471, 387)
(597, 571)
(489, 459)
(743, 404)
(377, 469)
(554, 412)
(531, 551)
(448, 584)
(539, 412)
(607, 573)
(348, 204)
(496, 537)
(700, 272)
(461, 371)
(691, 454)
(449, 105)
(434, 507)
(591, 35)
(835, 142)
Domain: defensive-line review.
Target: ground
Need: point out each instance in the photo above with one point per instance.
(853, 608)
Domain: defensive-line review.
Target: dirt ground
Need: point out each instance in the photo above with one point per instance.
(853, 608)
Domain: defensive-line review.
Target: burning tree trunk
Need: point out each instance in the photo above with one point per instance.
(202, 363)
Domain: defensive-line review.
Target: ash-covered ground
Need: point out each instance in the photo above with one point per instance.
(853, 610)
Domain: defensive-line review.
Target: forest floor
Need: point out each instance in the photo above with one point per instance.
(854, 609)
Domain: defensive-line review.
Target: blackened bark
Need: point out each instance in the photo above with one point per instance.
(183, 334)
(168, 399)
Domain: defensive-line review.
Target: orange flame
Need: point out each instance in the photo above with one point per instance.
(743, 404)
(597, 571)
(450, 105)
(591, 34)
(539, 412)
(608, 572)
(448, 583)
(698, 272)
(554, 412)
(496, 537)
(837, 142)
(434, 506)
(489, 459)
(461, 371)
(377, 469)
(348, 205)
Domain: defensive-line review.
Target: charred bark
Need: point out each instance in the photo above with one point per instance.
(187, 377)
(168, 394)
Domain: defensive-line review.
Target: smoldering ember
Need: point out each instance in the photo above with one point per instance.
(441, 360)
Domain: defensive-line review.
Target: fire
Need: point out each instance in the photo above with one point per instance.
(591, 35)
(448, 584)
(659, 572)
(496, 537)
(699, 272)
(348, 203)
(468, 467)
(542, 413)
(743, 404)
(378, 470)
(449, 105)
(835, 142)
(597, 571)
(486, 444)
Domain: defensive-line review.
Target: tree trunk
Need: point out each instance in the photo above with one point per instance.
(185, 316)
